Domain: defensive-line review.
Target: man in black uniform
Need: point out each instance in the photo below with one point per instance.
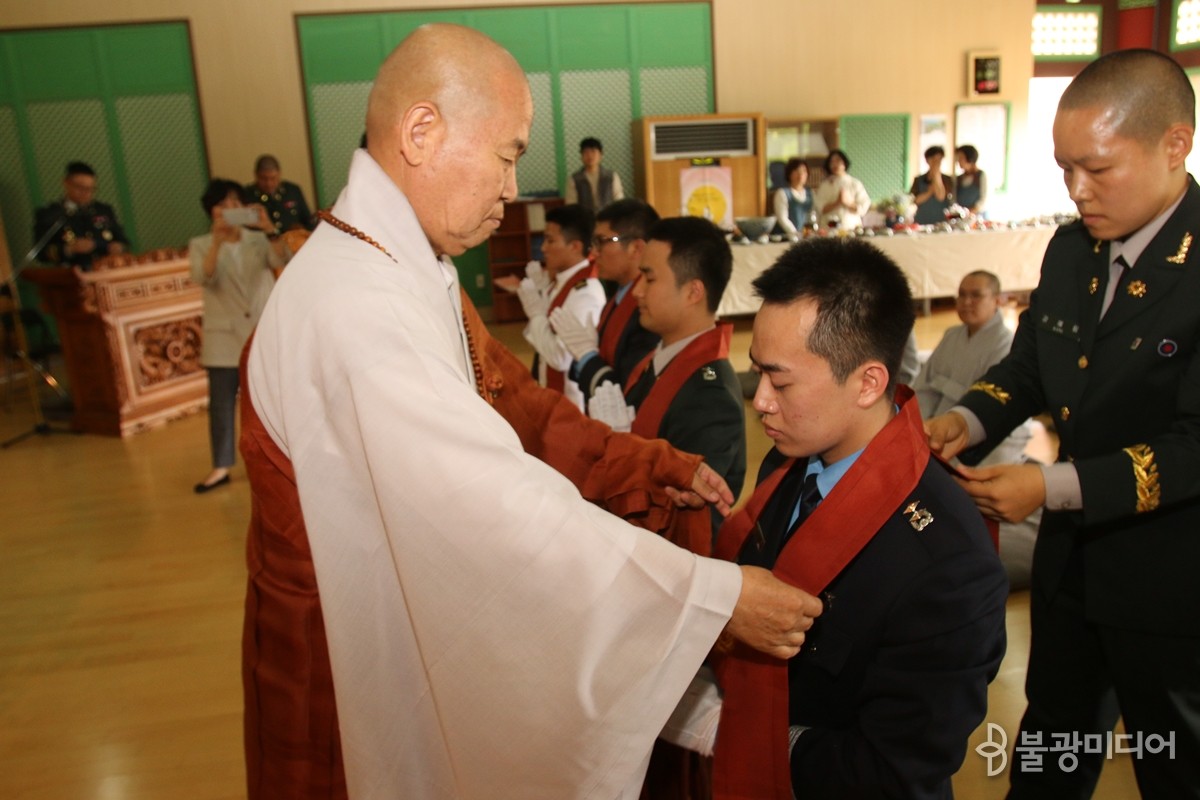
(86, 228)
(283, 199)
(1108, 346)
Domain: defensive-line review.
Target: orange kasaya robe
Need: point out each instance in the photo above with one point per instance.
(293, 747)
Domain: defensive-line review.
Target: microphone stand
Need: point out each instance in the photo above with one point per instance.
(33, 370)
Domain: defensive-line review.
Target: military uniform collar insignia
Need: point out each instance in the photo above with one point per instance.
(1181, 254)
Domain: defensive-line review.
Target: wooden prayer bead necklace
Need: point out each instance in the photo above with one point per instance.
(345, 227)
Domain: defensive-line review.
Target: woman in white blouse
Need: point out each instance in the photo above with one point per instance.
(841, 198)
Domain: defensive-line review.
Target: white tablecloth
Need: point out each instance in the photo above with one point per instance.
(934, 262)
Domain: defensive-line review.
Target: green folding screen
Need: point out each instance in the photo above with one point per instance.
(877, 145)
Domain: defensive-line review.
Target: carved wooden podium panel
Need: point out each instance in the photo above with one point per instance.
(131, 339)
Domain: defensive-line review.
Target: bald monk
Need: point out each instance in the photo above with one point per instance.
(490, 632)
(1109, 346)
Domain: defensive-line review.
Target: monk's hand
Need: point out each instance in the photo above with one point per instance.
(708, 488)
(1008, 492)
(948, 434)
(771, 615)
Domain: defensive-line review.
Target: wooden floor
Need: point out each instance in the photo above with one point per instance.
(120, 617)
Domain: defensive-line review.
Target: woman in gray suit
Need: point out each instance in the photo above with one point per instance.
(233, 264)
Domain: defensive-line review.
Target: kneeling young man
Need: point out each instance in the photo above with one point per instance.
(893, 677)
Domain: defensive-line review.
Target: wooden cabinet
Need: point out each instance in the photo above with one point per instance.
(515, 243)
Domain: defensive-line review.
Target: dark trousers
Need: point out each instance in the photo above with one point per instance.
(222, 414)
(1082, 675)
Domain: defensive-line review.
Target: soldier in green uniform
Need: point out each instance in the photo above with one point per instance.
(1109, 347)
(283, 199)
(84, 228)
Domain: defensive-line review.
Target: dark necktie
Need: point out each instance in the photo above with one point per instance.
(641, 388)
(1118, 276)
(810, 496)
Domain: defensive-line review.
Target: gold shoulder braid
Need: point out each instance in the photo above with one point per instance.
(1145, 473)
(476, 366)
(991, 390)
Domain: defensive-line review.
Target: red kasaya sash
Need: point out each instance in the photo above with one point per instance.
(613, 320)
(555, 379)
(708, 346)
(751, 755)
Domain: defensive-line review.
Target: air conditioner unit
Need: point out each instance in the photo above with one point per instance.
(701, 138)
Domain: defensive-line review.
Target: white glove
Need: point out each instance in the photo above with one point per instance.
(608, 406)
(537, 273)
(693, 724)
(533, 301)
(580, 338)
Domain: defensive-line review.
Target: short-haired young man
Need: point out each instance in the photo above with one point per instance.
(593, 186)
(572, 287)
(894, 676)
(685, 390)
(610, 350)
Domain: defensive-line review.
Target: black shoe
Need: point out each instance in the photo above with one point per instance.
(201, 488)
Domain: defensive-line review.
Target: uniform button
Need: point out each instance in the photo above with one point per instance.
(276, 215)
(1083, 362)
(1064, 413)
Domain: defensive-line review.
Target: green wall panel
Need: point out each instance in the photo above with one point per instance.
(55, 65)
(340, 48)
(72, 130)
(339, 111)
(681, 36)
(14, 191)
(537, 172)
(166, 171)
(473, 274)
(676, 90)
(593, 37)
(524, 32)
(877, 145)
(145, 59)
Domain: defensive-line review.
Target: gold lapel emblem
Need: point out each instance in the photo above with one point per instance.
(708, 373)
(1093, 285)
(919, 518)
(1181, 255)
(1136, 289)
(1096, 248)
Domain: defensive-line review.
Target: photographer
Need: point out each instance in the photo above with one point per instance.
(233, 264)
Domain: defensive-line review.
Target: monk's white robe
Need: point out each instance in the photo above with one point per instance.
(492, 634)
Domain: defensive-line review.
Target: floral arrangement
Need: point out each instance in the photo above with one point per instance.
(898, 205)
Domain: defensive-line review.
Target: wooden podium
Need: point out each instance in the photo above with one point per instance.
(131, 338)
